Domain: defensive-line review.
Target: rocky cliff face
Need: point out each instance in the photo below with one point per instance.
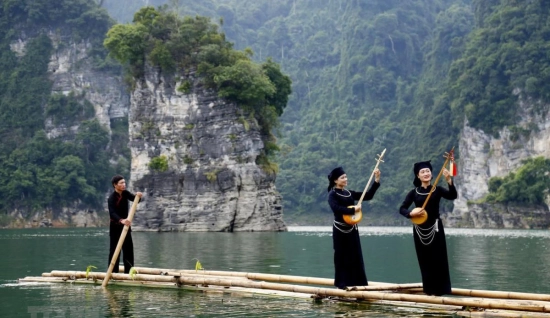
(212, 182)
(70, 71)
(498, 216)
(483, 156)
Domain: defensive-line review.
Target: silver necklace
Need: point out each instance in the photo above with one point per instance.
(345, 196)
(432, 190)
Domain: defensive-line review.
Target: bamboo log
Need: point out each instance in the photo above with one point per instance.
(101, 275)
(330, 282)
(519, 305)
(493, 294)
(154, 271)
(121, 241)
(494, 304)
(386, 287)
(256, 276)
(452, 308)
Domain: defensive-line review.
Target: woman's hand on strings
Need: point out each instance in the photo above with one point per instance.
(377, 175)
(357, 208)
(417, 212)
(447, 176)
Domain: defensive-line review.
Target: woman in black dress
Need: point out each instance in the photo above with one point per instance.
(348, 257)
(429, 237)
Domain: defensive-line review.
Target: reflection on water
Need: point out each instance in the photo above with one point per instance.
(518, 263)
(514, 260)
(117, 301)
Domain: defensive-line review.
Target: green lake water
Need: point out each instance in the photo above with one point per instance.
(510, 260)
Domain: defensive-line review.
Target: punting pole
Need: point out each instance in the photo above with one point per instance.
(120, 242)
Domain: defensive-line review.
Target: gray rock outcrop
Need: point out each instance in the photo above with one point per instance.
(212, 181)
(483, 156)
(71, 72)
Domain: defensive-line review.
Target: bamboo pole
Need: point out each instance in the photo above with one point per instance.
(519, 305)
(101, 275)
(386, 287)
(255, 276)
(449, 308)
(121, 241)
(412, 287)
(493, 294)
(276, 278)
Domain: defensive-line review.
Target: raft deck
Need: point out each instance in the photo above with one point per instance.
(463, 302)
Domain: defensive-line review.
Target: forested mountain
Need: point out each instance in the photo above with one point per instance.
(37, 172)
(366, 75)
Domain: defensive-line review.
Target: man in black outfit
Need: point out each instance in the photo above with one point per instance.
(118, 211)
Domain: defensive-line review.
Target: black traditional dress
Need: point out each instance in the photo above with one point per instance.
(349, 268)
(429, 238)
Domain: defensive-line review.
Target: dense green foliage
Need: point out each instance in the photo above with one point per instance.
(40, 172)
(69, 109)
(159, 163)
(181, 46)
(366, 75)
(528, 185)
(508, 53)
(380, 74)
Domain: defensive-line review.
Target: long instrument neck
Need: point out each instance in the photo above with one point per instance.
(436, 180)
(370, 179)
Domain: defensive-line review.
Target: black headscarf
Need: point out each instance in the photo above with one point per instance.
(419, 166)
(333, 175)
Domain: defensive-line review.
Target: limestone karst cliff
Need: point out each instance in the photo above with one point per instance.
(483, 156)
(212, 181)
(70, 71)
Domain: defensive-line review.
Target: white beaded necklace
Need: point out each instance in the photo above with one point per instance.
(432, 190)
(345, 196)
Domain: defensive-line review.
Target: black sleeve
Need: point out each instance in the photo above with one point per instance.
(355, 195)
(404, 209)
(130, 196)
(337, 208)
(111, 203)
(370, 194)
(450, 194)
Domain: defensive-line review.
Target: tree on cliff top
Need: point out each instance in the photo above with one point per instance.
(178, 46)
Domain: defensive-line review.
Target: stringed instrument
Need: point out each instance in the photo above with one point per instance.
(420, 219)
(355, 218)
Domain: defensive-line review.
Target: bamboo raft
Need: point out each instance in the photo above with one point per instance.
(462, 302)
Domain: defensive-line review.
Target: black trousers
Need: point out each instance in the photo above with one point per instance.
(115, 230)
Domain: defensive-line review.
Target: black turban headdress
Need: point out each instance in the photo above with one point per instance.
(417, 167)
(333, 175)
